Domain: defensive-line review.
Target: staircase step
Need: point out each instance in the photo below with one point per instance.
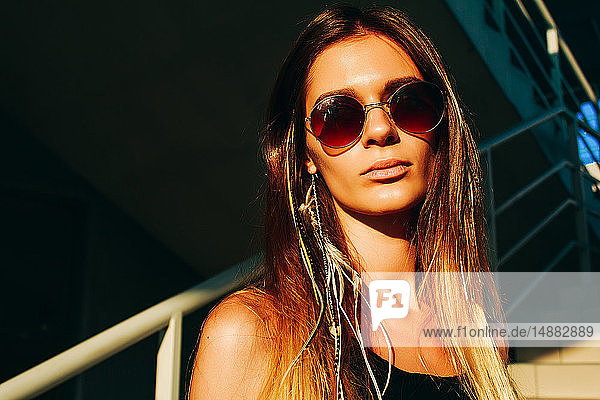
(571, 381)
(581, 354)
(557, 381)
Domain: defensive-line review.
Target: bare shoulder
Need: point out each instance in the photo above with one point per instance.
(242, 312)
(233, 350)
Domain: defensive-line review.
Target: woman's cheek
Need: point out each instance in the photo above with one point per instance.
(344, 191)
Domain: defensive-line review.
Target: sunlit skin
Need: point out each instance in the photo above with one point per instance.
(373, 214)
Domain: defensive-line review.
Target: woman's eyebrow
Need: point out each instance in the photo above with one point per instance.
(389, 88)
(393, 84)
(337, 92)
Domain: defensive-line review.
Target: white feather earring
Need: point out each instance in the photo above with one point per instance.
(333, 313)
(334, 265)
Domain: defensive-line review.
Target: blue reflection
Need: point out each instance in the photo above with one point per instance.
(588, 113)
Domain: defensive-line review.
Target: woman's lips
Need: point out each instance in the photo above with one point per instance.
(396, 171)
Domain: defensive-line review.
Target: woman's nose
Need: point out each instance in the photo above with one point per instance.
(379, 128)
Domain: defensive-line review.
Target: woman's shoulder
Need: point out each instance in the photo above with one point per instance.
(234, 348)
(245, 311)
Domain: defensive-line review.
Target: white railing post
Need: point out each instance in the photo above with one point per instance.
(168, 361)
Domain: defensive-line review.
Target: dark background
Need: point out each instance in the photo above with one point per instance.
(129, 168)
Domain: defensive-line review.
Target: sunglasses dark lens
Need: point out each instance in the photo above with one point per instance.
(418, 107)
(337, 121)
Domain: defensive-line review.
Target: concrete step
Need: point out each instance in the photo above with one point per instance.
(561, 355)
(557, 381)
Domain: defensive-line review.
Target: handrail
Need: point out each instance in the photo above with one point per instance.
(522, 63)
(563, 46)
(544, 45)
(567, 51)
(576, 176)
(536, 229)
(520, 128)
(529, 47)
(532, 185)
(532, 123)
(85, 355)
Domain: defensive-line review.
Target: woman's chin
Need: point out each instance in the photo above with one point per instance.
(386, 204)
(387, 208)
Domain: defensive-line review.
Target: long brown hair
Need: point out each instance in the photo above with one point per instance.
(449, 228)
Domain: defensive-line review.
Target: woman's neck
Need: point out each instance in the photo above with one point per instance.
(382, 241)
(383, 246)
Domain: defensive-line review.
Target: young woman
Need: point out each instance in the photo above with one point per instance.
(371, 167)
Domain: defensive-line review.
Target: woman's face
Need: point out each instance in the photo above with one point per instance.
(365, 66)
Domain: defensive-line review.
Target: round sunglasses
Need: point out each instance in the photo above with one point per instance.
(338, 121)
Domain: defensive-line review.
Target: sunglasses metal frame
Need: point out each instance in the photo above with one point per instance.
(370, 106)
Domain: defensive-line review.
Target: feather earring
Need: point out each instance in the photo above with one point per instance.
(337, 270)
(333, 313)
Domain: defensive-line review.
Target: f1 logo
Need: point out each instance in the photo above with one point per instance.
(388, 299)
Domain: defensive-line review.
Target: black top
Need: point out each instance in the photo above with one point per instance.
(412, 385)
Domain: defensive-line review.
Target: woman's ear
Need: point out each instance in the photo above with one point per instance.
(310, 165)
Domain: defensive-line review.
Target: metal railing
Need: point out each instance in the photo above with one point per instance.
(548, 44)
(566, 51)
(572, 163)
(168, 313)
(543, 46)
